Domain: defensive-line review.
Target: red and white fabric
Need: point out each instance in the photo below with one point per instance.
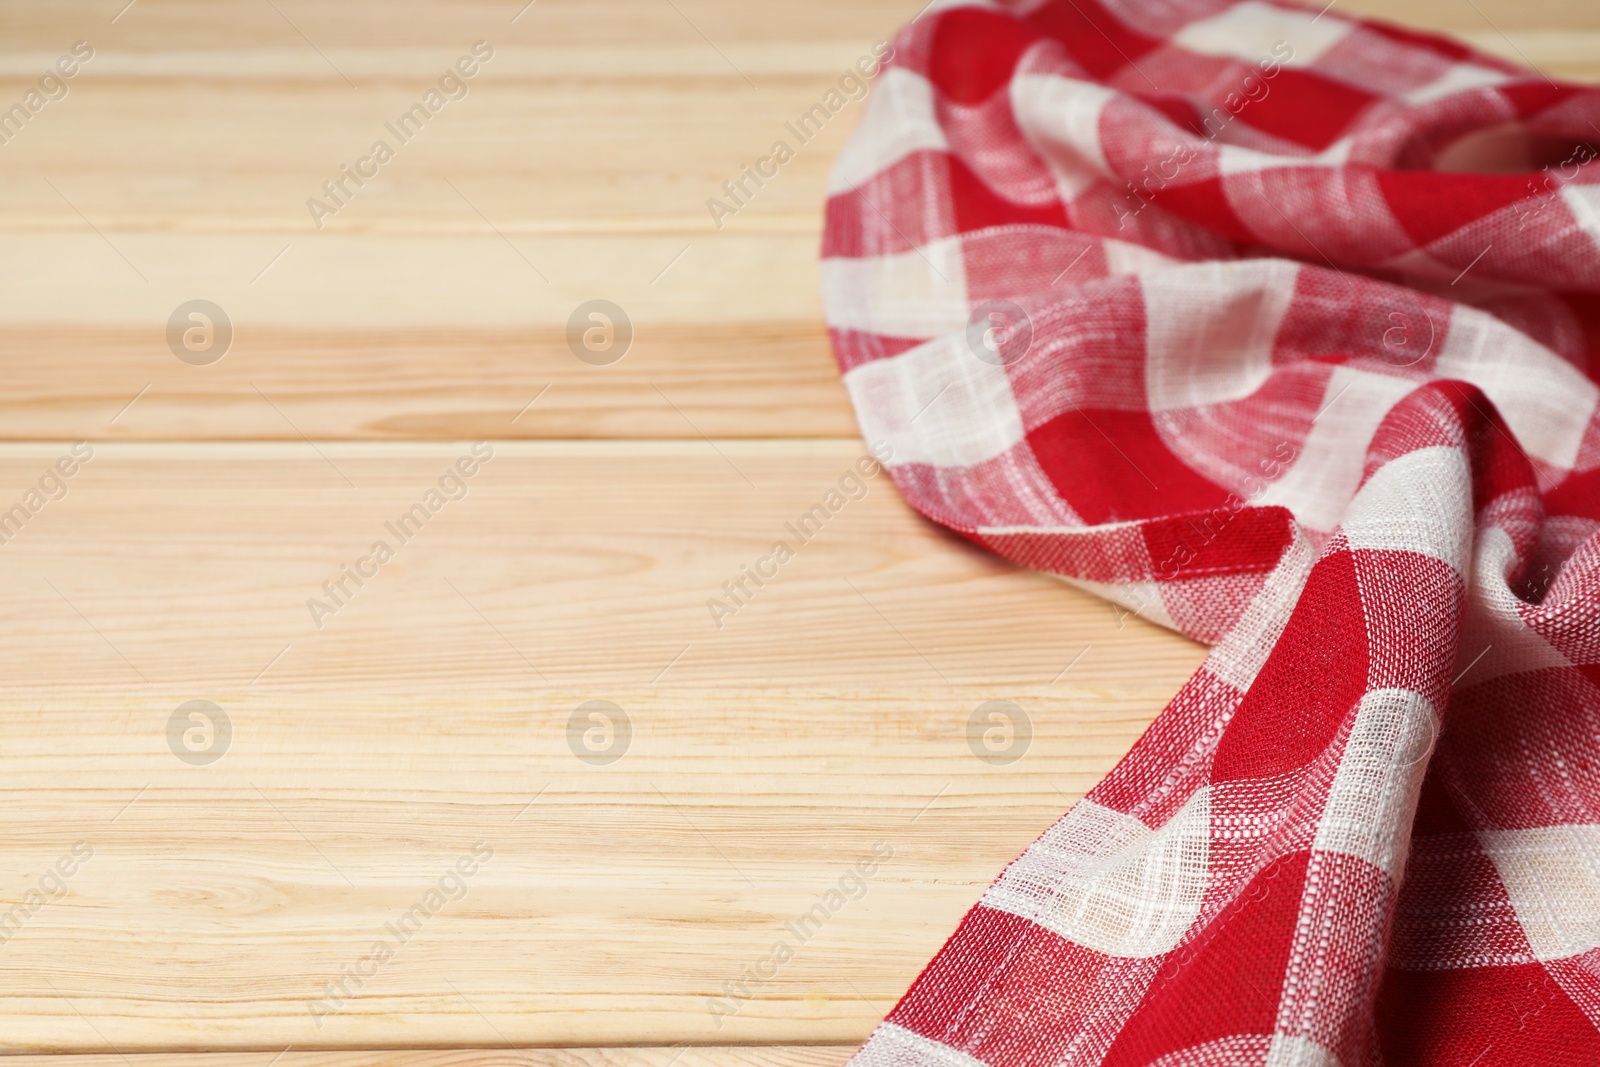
(1282, 329)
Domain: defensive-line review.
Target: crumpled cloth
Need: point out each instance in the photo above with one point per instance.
(1279, 328)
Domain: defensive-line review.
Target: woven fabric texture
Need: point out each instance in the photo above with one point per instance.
(1279, 328)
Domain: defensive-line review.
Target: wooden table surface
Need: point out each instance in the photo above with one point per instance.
(416, 765)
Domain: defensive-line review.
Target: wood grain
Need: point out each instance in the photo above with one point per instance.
(566, 564)
(436, 303)
(431, 712)
(619, 904)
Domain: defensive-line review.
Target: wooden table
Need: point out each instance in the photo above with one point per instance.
(418, 763)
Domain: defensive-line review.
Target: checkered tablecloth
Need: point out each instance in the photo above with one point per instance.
(1278, 328)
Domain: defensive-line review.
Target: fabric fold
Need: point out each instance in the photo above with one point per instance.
(1281, 329)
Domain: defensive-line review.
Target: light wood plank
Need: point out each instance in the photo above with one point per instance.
(453, 361)
(596, 560)
(431, 713)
